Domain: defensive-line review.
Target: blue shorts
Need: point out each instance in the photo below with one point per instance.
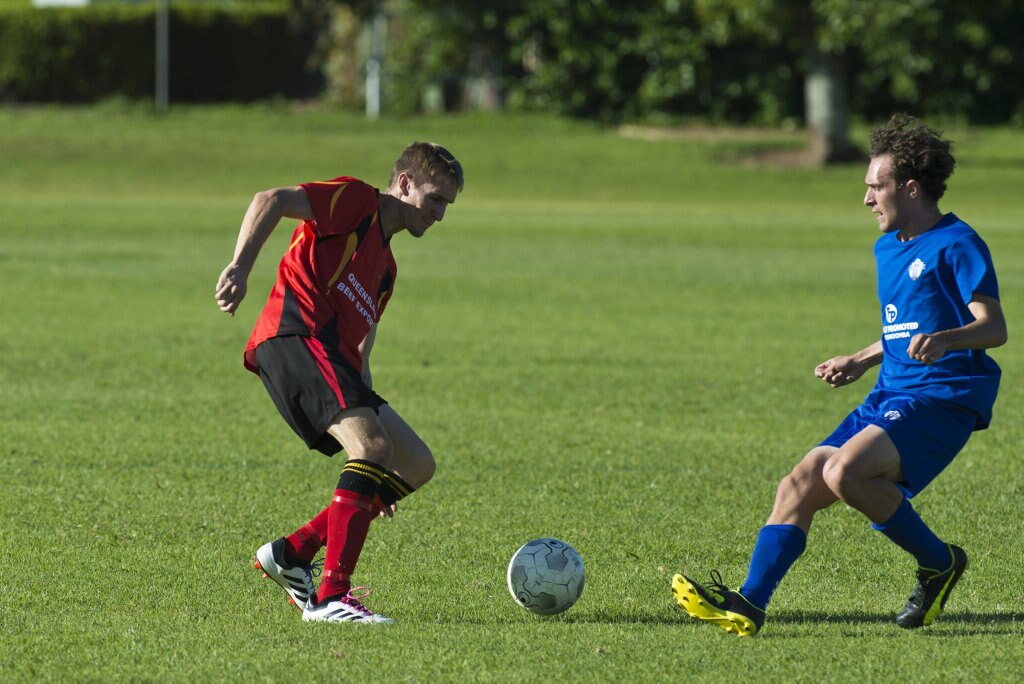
(927, 433)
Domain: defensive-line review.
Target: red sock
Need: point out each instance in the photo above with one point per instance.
(349, 518)
(307, 541)
(378, 505)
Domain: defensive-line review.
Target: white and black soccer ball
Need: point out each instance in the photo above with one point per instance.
(545, 576)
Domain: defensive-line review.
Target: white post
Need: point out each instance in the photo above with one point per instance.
(374, 65)
(163, 59)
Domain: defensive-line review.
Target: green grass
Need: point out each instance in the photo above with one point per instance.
(608, 340)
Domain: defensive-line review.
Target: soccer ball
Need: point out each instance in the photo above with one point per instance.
(545, 576)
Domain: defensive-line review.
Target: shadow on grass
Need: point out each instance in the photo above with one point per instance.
(963, 623)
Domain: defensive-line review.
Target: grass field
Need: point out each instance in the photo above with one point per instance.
(609, 340)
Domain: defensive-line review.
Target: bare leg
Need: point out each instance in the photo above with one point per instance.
(370, 455)
(363, 436)
(412, 459)
(863, 474)
(800, 494)
(803, 492)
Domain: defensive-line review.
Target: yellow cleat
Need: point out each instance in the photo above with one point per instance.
(718, 604)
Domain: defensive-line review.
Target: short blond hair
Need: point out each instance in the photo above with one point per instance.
(424, 161)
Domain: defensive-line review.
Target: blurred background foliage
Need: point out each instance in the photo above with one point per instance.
(720, 61)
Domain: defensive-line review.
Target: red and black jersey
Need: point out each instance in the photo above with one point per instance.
(336, 276)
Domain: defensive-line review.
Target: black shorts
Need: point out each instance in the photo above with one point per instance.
(310, 384)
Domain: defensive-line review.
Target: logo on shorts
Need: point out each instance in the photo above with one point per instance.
(890, 313)
(893, 415)
(916, 269)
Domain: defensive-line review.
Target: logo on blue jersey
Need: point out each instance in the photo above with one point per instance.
(894, 330)
(916, 269)
(893, 415)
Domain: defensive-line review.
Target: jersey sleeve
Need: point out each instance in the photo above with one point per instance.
(972, 268)
(340, 205)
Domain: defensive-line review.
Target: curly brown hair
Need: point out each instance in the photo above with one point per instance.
(918, 153)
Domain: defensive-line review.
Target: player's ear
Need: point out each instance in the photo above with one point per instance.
(404, 182)
(913, 189)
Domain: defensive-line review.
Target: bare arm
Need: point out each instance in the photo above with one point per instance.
(365, 347)
(987, 330)
(842, 370)
(264, 213)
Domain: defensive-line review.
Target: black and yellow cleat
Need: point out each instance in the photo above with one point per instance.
(718, 604)
(932, 591)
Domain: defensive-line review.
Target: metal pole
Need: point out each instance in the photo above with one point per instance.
(163, 59)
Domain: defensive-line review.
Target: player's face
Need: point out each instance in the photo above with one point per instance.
(431, 199)
(884, 197)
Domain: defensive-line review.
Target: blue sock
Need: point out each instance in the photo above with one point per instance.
(777, 548)
(906, 529)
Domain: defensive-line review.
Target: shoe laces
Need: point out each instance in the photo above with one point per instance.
(925, 577)
(351, 599)
(917, 596)
(716, 581)
(717, 586)
(314, 569)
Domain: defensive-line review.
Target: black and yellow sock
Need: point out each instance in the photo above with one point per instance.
(361, 477)
(393, 488)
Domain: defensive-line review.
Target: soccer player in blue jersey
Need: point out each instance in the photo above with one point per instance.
(939, 313)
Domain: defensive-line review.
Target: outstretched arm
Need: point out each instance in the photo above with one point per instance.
(264, 213)
(987, 330)
(842, 370)
(365, 347)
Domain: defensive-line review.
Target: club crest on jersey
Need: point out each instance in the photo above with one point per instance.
(916, 269)
(893, 415)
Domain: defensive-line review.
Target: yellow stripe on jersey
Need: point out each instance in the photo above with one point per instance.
(336, 196)
(297, 240)
(350, 248)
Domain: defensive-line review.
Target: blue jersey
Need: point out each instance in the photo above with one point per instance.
(924, 286)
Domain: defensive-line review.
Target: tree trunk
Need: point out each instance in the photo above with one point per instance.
(375, 64)
(482, 88)
(825, 108)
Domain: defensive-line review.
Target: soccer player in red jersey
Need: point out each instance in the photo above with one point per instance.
(311, 347)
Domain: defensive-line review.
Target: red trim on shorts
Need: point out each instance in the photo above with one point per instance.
(316, 348)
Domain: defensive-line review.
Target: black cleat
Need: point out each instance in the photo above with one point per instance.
(932, 591)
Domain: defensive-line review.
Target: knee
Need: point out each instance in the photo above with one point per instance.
(422, 466)
(377, 449)
(788, 488)
(803, 490)
(792, 489)
(838, 478)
